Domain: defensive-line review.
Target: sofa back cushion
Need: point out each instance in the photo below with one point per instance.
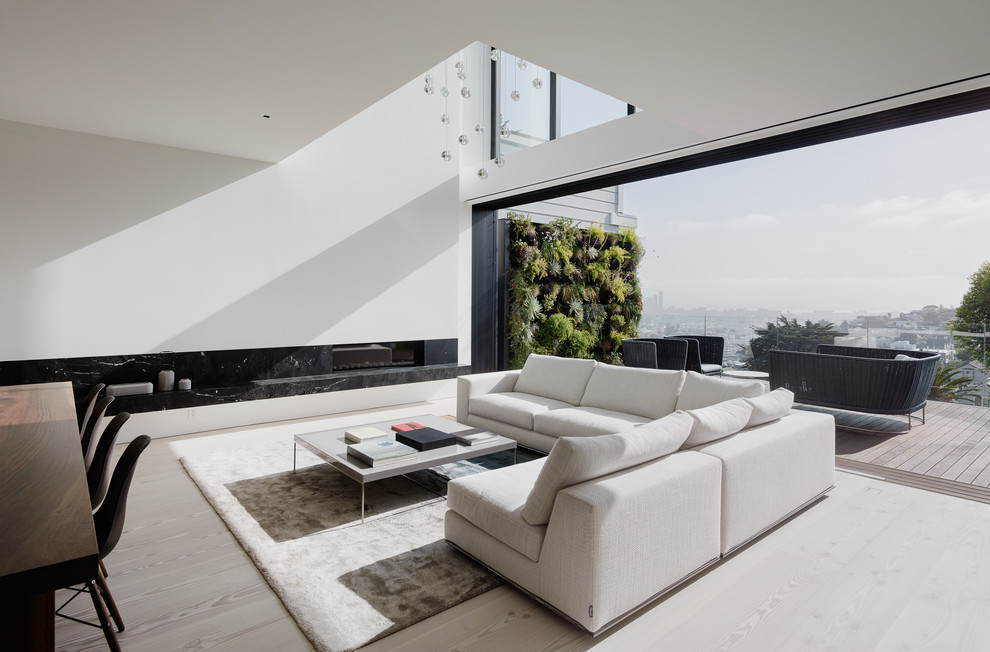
(717, 421)
(701, 391)
(563, 379)
(770, 406)
(573, 460)
(650, 393)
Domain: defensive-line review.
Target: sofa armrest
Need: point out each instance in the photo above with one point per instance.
(615, 542)
(478, 384)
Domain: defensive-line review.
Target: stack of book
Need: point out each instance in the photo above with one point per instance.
(380, 452)
(474, 436)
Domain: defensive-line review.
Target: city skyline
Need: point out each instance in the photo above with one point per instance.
(870, 224)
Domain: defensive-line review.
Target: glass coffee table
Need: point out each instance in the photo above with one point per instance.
(331, 447)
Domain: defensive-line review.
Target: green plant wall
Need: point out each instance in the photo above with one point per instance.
(572, 292)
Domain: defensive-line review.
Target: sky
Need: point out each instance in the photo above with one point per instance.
(888, 222)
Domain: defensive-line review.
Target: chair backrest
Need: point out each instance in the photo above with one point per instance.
(98, 474)
(109, 516)
(639, 352)
(655, 353)
(711, 348)
(92, 425)
(85, 409)
(693, 353)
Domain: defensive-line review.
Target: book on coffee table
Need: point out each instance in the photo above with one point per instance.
(406, 427)
(380, 452)
(474, 436)
(364, 433)
(425, 439)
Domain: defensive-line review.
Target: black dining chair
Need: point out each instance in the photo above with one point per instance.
(98, 473)
(84, 410)
(108, 520)
(654, 353)
(93, 424)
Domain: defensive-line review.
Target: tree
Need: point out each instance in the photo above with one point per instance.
(952, 386)
(789, 335)
(972, 316)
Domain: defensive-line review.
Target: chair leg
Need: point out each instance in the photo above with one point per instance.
(108, 599)
(101, 612)
(103, 569)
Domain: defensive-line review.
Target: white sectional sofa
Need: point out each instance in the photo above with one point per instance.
(652, 476)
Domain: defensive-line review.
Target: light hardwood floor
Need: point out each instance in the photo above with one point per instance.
(874, 566)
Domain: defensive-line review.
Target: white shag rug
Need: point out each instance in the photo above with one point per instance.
(345, 584)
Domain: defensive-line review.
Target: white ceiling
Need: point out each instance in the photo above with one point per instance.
(199, 74)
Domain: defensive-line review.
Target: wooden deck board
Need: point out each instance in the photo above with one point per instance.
(953, 443)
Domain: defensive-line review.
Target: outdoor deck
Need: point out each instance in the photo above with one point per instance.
(950, 452)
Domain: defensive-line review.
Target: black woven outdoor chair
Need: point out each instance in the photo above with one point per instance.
(655, 353)
(857, 379)
(706, 356)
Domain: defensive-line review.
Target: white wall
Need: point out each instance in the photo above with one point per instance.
(114, 247)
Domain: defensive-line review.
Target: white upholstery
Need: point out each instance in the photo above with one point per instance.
(584, 422)
(771, 470)
(563, 379)
(616, 514)
(701, 391)
(523, 436)
(514, 407)
(477, 384)
(578, 459)
(717, 421)
(651, 393)
(770, 407)
(493, 502)
(613, 542)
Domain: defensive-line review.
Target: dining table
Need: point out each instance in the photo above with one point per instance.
(47, 536)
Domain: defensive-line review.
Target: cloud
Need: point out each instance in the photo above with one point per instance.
(754, 220)
(953, 209)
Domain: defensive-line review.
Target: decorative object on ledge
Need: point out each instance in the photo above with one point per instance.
(185, 384)
(129, 389)
(166, 380)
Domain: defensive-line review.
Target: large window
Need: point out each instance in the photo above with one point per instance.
(877, 234)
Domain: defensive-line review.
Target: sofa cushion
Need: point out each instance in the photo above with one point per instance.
(717, 421)
(770, 406)
(573, 460)
(701, 391)
(513, 408)
(651, 393)
(493, 500)
(584, 422)
(562, 379)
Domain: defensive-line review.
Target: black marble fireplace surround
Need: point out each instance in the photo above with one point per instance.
(246, 374)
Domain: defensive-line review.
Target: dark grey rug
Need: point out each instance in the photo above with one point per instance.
(346, 584)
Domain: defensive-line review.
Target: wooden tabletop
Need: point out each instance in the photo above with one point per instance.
(47, 539)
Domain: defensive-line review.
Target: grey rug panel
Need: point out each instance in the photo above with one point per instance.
(289, 505)
(344, 583)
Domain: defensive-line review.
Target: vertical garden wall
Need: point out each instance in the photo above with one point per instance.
(571, 292)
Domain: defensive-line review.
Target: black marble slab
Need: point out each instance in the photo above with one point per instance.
(230, 376)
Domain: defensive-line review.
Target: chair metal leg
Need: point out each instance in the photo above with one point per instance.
(103, 569)
(101, 612)
(108, 599)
